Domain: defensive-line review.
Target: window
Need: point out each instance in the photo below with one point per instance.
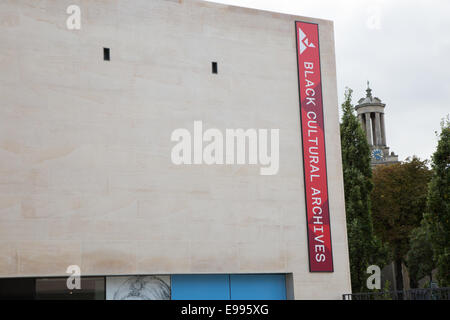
(201, 287)
(229, 287)
(214, 67)
(258, 287)
(17, 289)
(106, 54)
(92, 288)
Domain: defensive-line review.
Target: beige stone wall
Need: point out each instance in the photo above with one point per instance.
(85, 171)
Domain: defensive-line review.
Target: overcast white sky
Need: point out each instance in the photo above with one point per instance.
(403, 49)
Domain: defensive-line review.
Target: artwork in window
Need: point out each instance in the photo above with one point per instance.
(138, 288)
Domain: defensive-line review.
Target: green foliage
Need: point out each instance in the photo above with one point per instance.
(387, 295)
(355, 149)
(364, 248)
(438, 205)
(384, 293)
(399, 201)
(419, 259)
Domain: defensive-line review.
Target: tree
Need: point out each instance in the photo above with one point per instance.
(419, 259)
(438, 205)
(364, 248)
(399, 202)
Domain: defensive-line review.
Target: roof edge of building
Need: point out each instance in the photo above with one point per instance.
(262, 11)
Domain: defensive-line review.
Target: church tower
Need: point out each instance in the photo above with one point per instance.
(371, 115)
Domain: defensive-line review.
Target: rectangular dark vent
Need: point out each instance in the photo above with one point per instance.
(106, 55)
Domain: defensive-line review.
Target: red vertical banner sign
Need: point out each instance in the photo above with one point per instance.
(313, 140)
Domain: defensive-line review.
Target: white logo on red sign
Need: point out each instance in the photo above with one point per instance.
(304, 42)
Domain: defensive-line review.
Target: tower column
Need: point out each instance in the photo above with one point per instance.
(368, 128)
(383, 130)
(377, 137)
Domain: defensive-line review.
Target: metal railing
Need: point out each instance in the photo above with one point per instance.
(412, 294)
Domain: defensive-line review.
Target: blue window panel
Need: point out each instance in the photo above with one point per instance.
(200, 287)
(258, 287)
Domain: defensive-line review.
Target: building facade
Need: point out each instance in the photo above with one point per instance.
(86, 177)
(371, 115)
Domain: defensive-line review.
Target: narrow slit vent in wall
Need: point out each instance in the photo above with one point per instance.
(106, 54)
